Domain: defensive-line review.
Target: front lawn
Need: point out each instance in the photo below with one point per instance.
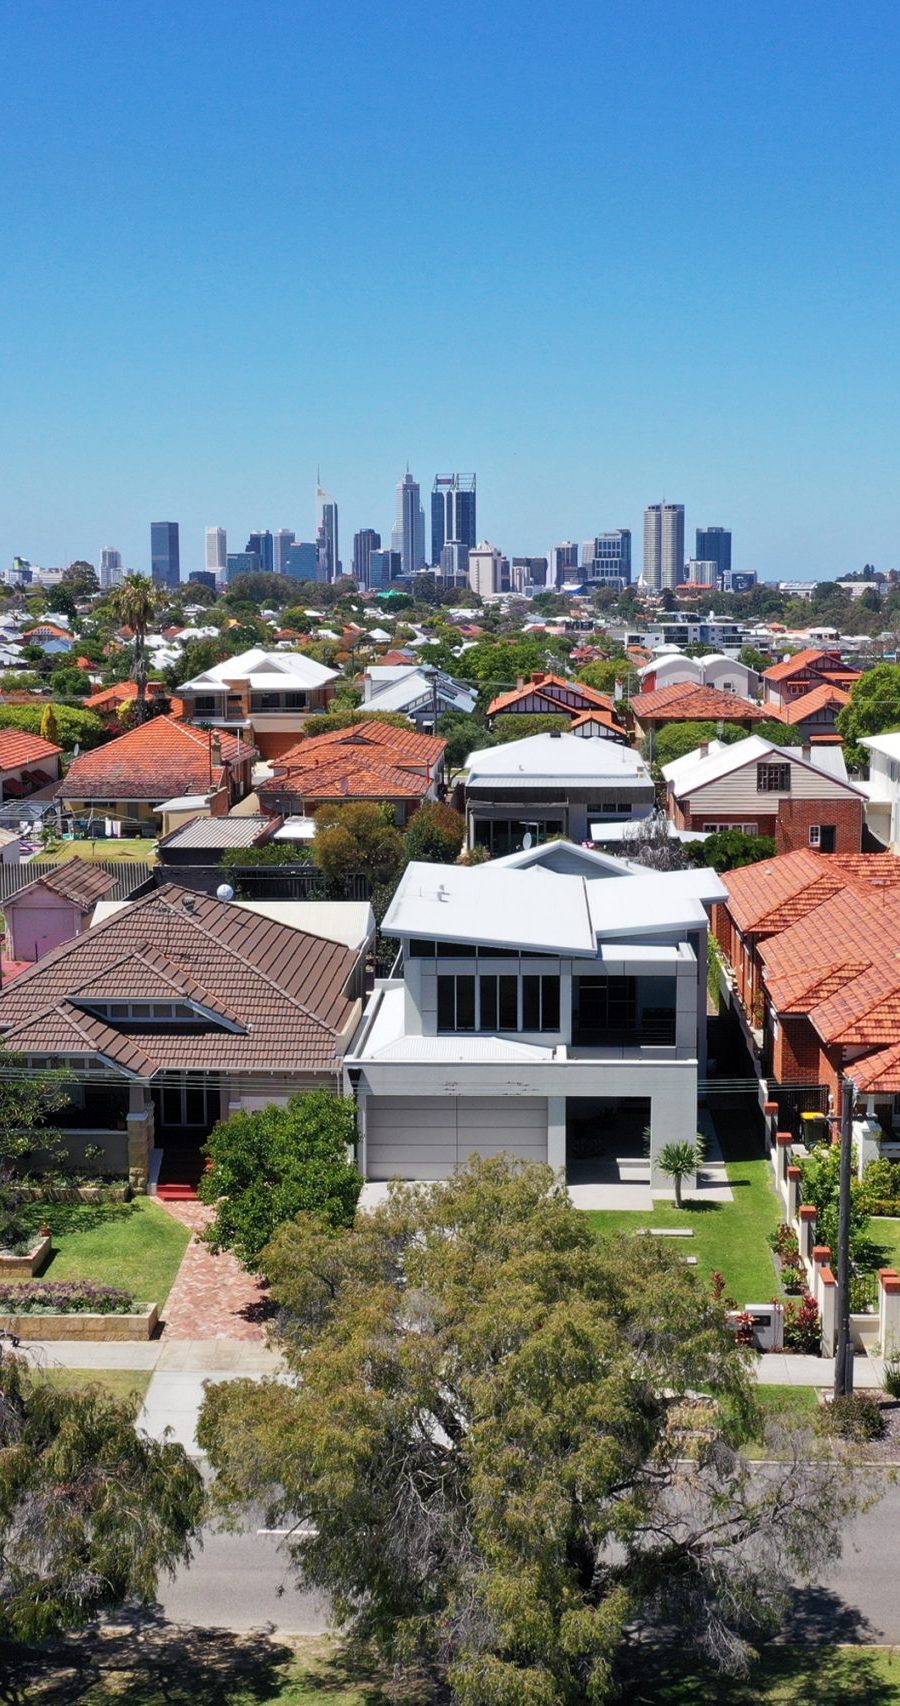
(730, 1237)
(885, 1234)
(126, 1385)
(135, 1245)
(109, 847)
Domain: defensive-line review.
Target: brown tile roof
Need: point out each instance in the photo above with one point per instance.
(284, 988)
(74, 879)
(767, 898)
(690, 701)
(815, 700)
(160, 760)
(18, 748)
(547, 687)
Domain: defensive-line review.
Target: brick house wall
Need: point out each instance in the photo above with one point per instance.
(796, 1051)
(796, 815)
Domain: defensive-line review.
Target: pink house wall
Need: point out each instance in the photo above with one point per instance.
(40, 921)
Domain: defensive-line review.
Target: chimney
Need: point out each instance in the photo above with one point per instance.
(215, 752)
(556, 734)
(704, 749)
(806, 751)
(538, 676)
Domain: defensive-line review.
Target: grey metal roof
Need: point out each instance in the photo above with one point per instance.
(218, 832)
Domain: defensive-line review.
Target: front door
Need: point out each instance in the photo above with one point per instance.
(191, 1108)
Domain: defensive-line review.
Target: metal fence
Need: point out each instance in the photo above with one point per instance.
(133, 876)
(792, 1103)
(264, 882)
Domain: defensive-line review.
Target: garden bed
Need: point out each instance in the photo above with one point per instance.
(75, 1193)
(78, 1324)
(28, 1263)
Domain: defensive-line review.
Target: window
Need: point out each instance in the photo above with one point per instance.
(540, 1003)
(823, 836)
(498, 1003)
(206, 704)
(773, 778)
(456, 1003)
(747, 828)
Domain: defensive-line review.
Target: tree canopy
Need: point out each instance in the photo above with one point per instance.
(482, 1443)
(874, 709)
(271, 1165)
(91, 1511)
(435, 833)
(726, 849)
(360, 837)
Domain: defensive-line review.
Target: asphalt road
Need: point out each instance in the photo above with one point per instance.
(243, 1581)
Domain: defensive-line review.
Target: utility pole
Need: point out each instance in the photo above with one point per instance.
(843, 1362)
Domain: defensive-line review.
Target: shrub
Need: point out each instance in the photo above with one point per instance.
(881, 1184)
(891, 1380)
(793, 1280)
(70, 1297)
(72, 724)
(435, 833)
(855, 1416)
(802, 1328)
(886, 1208)
(784, 1242)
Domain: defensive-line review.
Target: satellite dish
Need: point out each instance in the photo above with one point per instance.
(527, 839)
(224, 892)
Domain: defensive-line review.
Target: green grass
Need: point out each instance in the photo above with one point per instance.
(126, 1385)
(886, 1235)
(130, 847)
(135, 1245)
(730, 1237)
(182, 1667)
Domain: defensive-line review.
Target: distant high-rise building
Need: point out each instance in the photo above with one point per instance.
(204, 577)
(216, 550)
(739, 580)
(165, 556)
(408, 535)
(384, 567)
(611, 558)
(241, 563)
(452, 513)
(264, 546)
(663, 546)
(364, 543)
(486, 570)
(327, 533)
(700, 573)
(530, 571)
(563, 562)
(302, 562)
(714, 546)
(454, 564)
(283, 540)
(110, 572)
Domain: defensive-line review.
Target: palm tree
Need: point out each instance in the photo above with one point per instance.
(134, 603)
(679, 1161)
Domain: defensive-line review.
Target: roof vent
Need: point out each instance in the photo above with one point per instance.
(442, 893)
(556, 734)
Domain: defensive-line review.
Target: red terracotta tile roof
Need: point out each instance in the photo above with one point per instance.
(808, 658)
(121, 692)
(690, 701)
(348, 779)
(159, 760)
(369, 760)
(363, 738)
(879, 1073)
(548, 687)
(816, 700)
(766, 898)
(283, 988)
(397, 659)
(18, 748)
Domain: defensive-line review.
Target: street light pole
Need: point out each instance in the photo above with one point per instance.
(843, 1362)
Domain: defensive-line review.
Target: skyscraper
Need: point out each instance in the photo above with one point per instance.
(264, 546)
(702, 572)
(110, 568)
(611, 558)
(563, 563)
(283, 540)
(327, 533)
(302, 561)
(384, 567)
(714, 546)
(241, 563)
(486, 570)
(216, 549)
(452, 513)
(364, 543)
(165, 557)
(408, 536)
(663, 546)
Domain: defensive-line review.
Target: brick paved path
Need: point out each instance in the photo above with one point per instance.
(212, 1298)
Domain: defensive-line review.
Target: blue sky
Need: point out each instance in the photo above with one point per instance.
(600, 253)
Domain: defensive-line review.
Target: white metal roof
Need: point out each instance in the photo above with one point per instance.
(557, 758)
(296, 829)
(479, 903)
(263, 669)
(888, 744)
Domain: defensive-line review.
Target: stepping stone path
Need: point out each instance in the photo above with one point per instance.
(213, 1297)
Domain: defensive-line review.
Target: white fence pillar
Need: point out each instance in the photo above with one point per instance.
(889, 1311)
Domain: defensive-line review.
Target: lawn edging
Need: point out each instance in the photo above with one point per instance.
(29, 1263)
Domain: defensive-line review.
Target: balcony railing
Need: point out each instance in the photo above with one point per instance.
(651, 1033)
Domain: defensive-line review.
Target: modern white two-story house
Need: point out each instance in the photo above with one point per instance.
(552, 784)
(551, 1005)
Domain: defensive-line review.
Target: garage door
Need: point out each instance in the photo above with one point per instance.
(426, 1137)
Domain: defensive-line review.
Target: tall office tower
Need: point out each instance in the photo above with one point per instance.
(165, 557)
(700, 573)
(611, 558)
(327, 533)
(384, 567)
(216, 550)
(452, 513)
(663, 546)
(264, 546)
(587, 553)
(283, 539)
(534, 571)
(486, 570)
(301, 561)
(454, 564)
(563, 562)
(408, 536)
(241, 563)
(364, 543)
(110, 568)
(714, 546)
